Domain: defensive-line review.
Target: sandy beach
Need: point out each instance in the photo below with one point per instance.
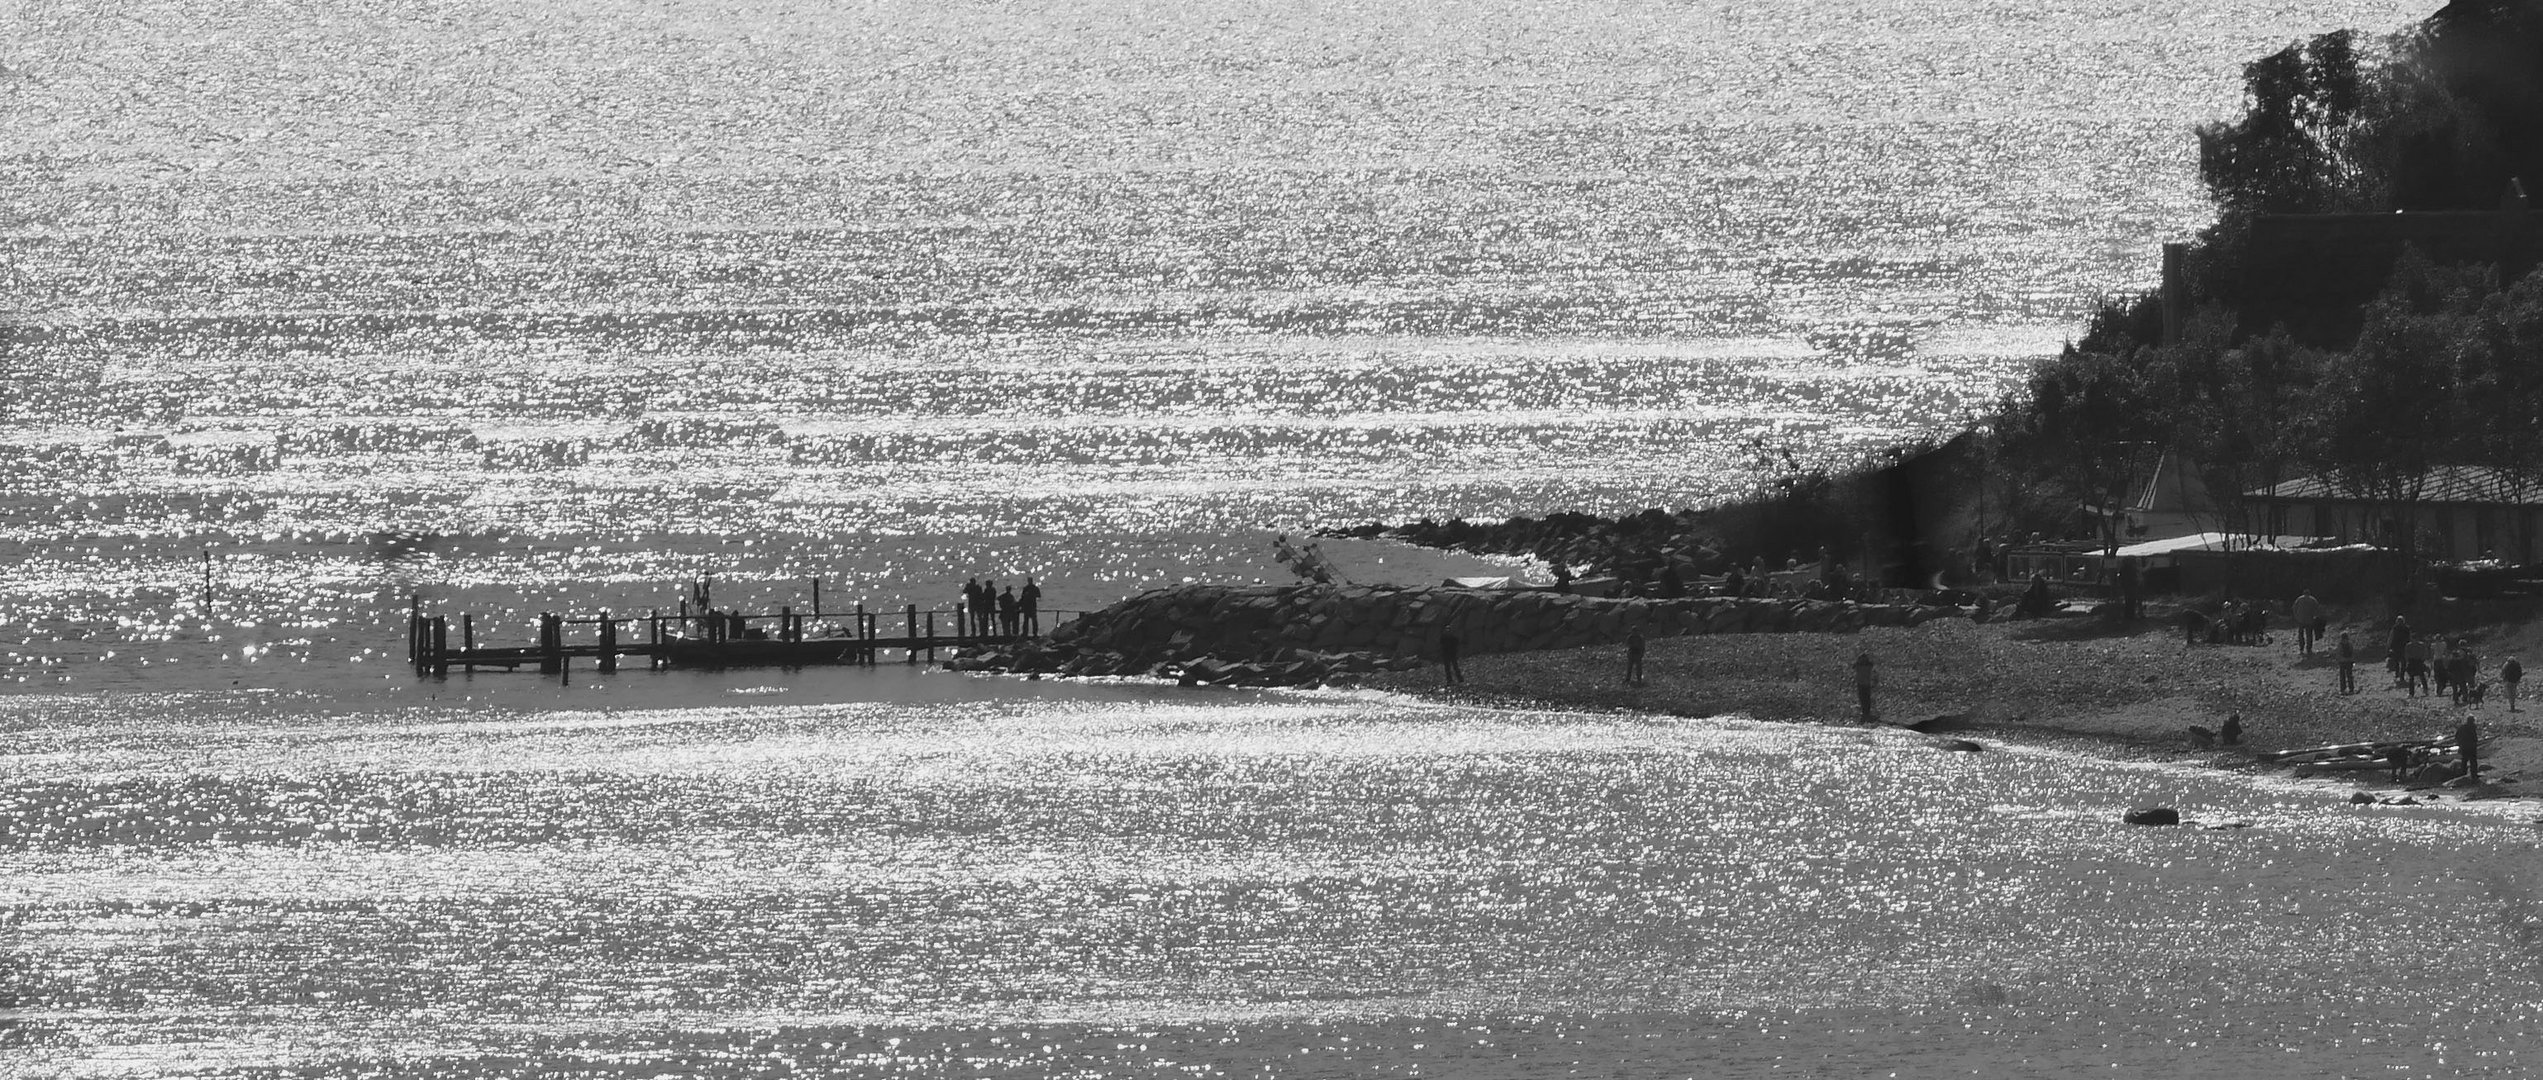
(2080, 683)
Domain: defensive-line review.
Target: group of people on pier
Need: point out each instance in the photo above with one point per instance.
(989, 612)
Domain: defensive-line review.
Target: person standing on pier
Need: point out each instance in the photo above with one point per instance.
(969, 620)
(1031, 599)
(1010, 612)
(987, 613)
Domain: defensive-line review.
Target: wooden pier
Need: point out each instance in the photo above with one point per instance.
(706, 639)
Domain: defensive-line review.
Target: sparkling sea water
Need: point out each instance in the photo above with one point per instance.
(315, 311)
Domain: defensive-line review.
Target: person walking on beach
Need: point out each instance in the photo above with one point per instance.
(2308, 622)
(2348, 653)
(1633, 657)
(1031, 601)
(2510, 674)
(1449, 672)
(2415, 667)
(1865, 679)
(2468, 745)
(2396, 646)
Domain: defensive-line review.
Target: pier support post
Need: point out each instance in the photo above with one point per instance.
(912, 636)
(551, 644)
(608, 644)
(441, 646)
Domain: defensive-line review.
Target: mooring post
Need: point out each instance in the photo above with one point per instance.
(912, 636)
(931, 635)
(207, 585)
(551, 644)
(608, 644)
(816, 598)
(786, 623)
(864, 636)
(441, 646)
(684, 616)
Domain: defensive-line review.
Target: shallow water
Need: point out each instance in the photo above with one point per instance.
(1128, 880)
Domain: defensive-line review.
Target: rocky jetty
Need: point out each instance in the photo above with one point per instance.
(1299, 635)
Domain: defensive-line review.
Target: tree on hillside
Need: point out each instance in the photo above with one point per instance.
(2440, 116)
(2500, 363)
(2288, 152)
(2090, 420)
(2394, 408)
(2242, 413)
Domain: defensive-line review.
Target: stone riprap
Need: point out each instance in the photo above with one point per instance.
(1305, 634)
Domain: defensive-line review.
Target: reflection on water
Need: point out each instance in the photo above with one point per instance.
(506, 309)
(1317, 883)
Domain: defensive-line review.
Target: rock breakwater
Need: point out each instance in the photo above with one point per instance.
(1293, 635)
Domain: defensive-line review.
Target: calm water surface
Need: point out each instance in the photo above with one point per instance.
(520, 307)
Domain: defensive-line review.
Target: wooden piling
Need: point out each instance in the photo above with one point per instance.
(911, 635)
(551, 644)
(608, 644)
(931, 635)
(441, 646)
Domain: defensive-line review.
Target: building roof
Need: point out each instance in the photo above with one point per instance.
(2446, 484)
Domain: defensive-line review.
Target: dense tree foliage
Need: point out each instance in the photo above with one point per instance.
(2448, 367)
(2438, 117)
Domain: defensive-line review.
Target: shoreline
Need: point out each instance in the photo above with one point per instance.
(2074, 684)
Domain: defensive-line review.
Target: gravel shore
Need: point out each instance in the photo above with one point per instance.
(2129, 690)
